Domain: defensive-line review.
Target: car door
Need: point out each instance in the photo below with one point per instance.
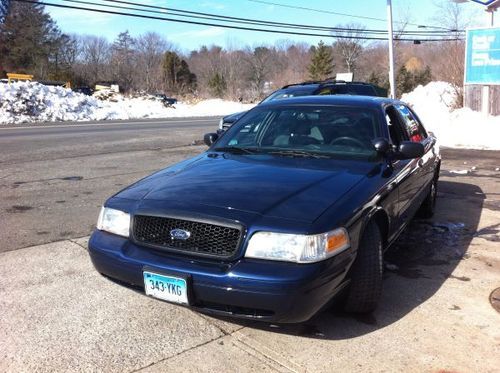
(406, 171)
(416, 133)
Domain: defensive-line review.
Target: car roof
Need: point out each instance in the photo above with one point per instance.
(326, 82)
(347, 100)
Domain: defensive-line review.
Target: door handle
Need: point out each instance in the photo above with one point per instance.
(420, 162)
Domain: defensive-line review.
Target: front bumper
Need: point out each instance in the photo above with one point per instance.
(246, 288)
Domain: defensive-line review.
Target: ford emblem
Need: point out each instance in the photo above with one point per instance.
(180, 234)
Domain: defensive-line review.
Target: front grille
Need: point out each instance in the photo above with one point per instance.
(204, 239)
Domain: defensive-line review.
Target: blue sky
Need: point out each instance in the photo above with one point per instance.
(187, 37)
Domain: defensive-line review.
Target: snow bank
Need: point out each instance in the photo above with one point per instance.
(139, 108)
(33, 102)
(30, 102)
(462, 128)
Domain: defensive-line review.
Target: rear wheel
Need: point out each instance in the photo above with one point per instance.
(366, 275)
(429, 205)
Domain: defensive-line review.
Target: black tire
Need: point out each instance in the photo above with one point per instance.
(428, 207)
(366, 273)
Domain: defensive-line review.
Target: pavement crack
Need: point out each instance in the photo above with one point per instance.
(74, 240)
(180, 353)
(218, 326)
(267, 352)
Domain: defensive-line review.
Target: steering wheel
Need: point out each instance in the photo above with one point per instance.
(347, 139)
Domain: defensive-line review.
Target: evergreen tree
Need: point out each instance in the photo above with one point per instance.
(217, 85)
(321, 66)
(29, 40)
(423, 77)
(407, 81)
(176, 74)
(404, 81)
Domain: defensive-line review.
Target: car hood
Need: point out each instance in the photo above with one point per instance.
(231, 118)
(282, 187)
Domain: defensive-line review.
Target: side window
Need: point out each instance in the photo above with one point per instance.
(247, 134)
(395, 126)
(325, 91)
(413, 128)
(417, 119)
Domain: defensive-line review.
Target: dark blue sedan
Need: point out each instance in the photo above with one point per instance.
(295, 203)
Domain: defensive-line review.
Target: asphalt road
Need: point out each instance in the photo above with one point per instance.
(54, 177)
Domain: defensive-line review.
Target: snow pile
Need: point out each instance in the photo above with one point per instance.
(461, 128)
(33, 102)
(129, 108)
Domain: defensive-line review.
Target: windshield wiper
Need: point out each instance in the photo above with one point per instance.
(237, 150)
(298, 153)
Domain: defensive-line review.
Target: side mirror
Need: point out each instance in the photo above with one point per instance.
(210, 138)
(410, 150)
(381, 145)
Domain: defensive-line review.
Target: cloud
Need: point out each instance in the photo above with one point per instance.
(205, 33)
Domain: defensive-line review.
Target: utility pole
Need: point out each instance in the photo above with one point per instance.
(392, 79)
(491, 17)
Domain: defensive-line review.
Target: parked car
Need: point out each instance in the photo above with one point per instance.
(167, 101)
(311, 192)
(312, 88)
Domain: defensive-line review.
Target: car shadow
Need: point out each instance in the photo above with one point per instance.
(421, 260)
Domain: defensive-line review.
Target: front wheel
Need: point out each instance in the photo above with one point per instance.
(429, 205)
(366, 275)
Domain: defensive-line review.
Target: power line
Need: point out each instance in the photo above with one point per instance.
(177, 12)
(342, 14)
(220, 25)
(218, 17)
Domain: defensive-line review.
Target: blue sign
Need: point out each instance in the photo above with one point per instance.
(484, 2)
(482, 56)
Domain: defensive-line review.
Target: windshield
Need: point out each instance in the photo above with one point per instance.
(305, 131)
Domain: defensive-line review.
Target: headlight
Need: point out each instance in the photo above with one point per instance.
(297, 248)
(114, 221)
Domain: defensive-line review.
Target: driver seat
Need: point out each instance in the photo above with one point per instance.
(301, 134)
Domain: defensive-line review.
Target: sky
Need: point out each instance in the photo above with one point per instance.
(187, 37)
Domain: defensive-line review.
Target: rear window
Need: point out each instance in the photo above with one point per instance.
(354, 89)
(287, 93)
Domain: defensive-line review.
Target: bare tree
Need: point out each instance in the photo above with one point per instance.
(123, 60)
(451, 68)
(94, 57)
(258, 62)
(349, 45)
(150, 49)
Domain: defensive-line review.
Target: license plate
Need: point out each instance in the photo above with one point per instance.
(171, 289)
